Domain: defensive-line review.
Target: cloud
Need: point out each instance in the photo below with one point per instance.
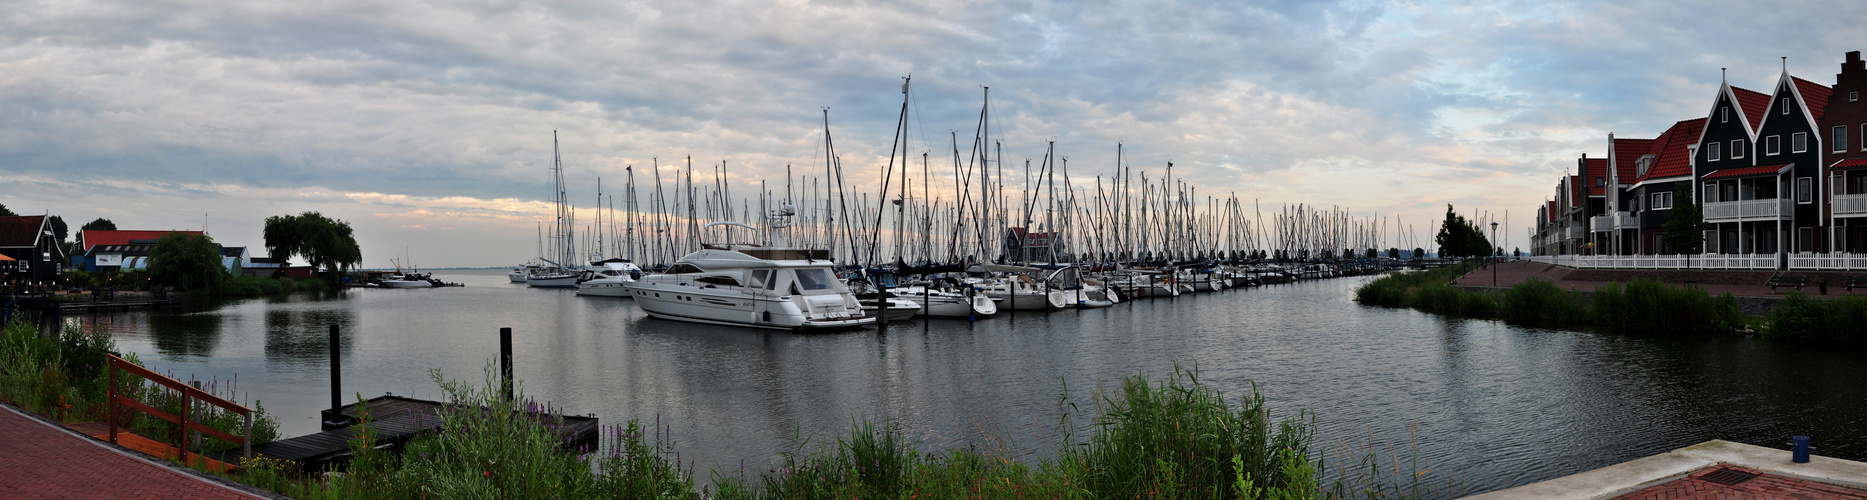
(441, 114)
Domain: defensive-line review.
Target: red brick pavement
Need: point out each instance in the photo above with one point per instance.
(1763, 486)
(39, 460)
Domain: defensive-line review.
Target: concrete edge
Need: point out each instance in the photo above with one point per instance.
(1635, 475)
(224, 483)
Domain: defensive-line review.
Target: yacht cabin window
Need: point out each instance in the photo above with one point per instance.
(758, 278)
(813, 279)
(683, 268)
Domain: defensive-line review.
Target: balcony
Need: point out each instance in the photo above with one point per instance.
(1764, 209)
(1617, 220)
(1850, 205)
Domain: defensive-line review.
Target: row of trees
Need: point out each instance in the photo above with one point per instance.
(193, 262)
(1461, 238)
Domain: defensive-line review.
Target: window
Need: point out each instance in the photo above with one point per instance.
(682, 268)
(1600, 182)
(1772, 145)
(1724, 114)
(1805, 239)
(1840, 138)
(1662, 201)
(1711, 154)
(719, 280)
(813, 279)
(1799, 142)
(1711, 193)
(1854, 96)
(1837, 186)
(1802, 189)
(758, 278)
(1785, 105)
(1737, 148)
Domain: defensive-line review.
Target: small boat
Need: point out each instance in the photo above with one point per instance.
(899, 309)
(945, 303)
(411, 280)
(554, 276)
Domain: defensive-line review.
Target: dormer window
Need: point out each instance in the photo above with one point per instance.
(1643, 164)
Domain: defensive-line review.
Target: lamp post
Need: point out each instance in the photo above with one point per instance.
(1494, 255)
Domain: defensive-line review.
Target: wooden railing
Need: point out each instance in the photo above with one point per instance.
(190, 394)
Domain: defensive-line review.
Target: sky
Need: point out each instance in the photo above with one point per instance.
(427, 125)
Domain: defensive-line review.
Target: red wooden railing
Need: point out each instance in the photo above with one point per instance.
(189, 395)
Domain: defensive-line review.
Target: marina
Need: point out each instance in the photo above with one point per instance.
(1494, 404)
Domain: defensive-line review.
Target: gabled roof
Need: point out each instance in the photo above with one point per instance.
(1673, 160)
(1747, 171)
(1595, 168)
(1754, 104)
(1627, 153)
(1814, 96)
(94, 237)
(21, 230)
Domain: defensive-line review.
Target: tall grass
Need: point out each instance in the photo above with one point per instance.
(1842, 320)
(1644, 305)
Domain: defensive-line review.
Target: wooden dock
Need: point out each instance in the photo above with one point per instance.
(394, 420)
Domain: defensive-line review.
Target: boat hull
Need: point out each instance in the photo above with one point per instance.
(552, 281)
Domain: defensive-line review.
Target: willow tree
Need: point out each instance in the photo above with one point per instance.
(188, 261)
(323, 242)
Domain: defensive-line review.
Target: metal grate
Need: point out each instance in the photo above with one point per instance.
(1729, 477)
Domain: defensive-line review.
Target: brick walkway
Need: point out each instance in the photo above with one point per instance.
(46, 461)
(1696, 486)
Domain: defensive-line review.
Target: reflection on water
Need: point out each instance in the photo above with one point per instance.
(1495, 404)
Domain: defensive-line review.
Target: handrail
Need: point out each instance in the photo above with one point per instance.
(189, 394)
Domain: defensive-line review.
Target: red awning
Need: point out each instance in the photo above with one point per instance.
(1746, 171)
(1850, 163)
(4, 258)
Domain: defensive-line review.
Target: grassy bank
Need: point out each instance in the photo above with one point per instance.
(63, 375)
(1641, 305)
(1172, 439)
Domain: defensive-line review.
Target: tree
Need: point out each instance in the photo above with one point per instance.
(59, 228)
(1393, 253)
(1419, 253)
(187, 261)
(1685, 226)
(323, 242)
(5, 212)
(1460, 238)
(101, 224)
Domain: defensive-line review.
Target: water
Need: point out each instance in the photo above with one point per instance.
(1492, 404)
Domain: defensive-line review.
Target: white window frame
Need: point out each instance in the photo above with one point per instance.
(1799, 142)
(1724, 114)
(1715, 152)
(1773, 145)
(1711, 193)
(1805, 193)
(1663, 201)
(1840, 138)
(1854, 96)
(1737, 149)
(1785, 105)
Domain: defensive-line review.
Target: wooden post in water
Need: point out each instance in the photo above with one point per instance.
(505, 361)
(337, 375)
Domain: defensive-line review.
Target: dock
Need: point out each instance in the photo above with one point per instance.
(394, 421)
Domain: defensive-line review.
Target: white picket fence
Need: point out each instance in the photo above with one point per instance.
(1753, 262)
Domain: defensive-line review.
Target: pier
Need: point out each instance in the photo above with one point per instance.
(393, 422)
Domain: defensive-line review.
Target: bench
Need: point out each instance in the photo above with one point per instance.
(1854, 282)
(1797, 281)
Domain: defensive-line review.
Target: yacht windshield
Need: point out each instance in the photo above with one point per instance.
(813, 279)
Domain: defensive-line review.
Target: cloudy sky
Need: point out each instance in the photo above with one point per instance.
(427, 124)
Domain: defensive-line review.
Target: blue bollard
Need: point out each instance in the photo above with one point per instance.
(1800, 453)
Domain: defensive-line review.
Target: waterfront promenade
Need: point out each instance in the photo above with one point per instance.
(45, 460)
(1739, 283)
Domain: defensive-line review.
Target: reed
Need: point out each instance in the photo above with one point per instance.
(1842, 320)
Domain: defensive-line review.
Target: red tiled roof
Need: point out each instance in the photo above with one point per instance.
(1595, 168)
(1754, 104)
(1814, 95)
(1627, 153)
(1745, 171)
(1673, 160)
(1850, 163)
(20, 230)
(95, 237)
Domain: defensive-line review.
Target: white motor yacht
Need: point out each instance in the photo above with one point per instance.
(752, 285)
(609, 278)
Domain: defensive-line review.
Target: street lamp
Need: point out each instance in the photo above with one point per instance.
(1494, 256)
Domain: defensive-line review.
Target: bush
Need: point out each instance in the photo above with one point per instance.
(1800, 318)
(1541, 301)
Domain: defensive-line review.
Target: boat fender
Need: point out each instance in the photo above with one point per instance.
(767, 316)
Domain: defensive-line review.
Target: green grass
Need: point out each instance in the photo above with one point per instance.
(248, 286)
(1643, 305)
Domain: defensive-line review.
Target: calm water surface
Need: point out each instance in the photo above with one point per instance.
(1493, 404)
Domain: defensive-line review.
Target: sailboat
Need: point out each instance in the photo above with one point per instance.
(557, 275)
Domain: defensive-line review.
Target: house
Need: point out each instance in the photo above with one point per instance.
(1845, 120)
(28, 240)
